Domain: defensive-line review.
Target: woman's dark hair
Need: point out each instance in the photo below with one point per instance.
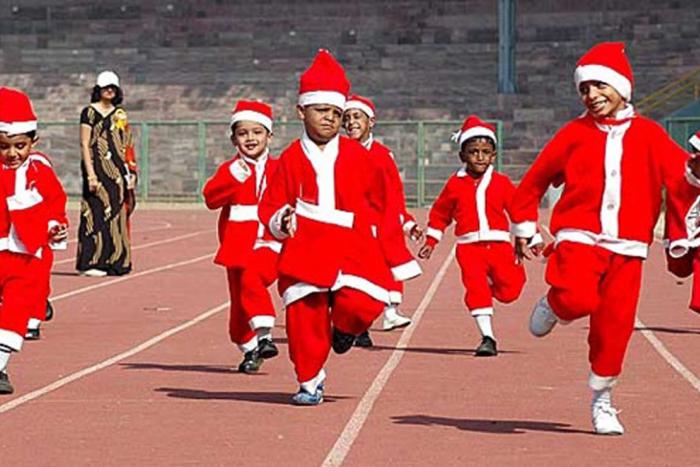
(118, 95)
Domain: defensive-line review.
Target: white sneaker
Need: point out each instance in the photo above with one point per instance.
(93, 273)
(604, 417)
(393, 319)
(542, 319)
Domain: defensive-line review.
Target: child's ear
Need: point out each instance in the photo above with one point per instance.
(35, 139)
(372, 122)
(300, 112)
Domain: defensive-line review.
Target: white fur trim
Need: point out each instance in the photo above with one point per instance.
(612, 193)
(300, 290)
(484, 236)
(262, 321)
(408, 226)
(535, 240)
(250, 345)
(695, 142)
(525, 229)
(311, 385)
(240, 170)
(352, 104)
(243, 212)
(35, 157)
(434, 233)
(275, 224)
(322, 97)
(11, 339)
(323, 163)
(17, 128)
(678, 248)
(363, 285)
(616, 245)
(488, 311)
(481, 200)
(406, 271)
(395, 296)
(327, 216)
(24, 200)
(271, 244)
(33, 323)
(606, 75)
(599, 383)
(251, 116)
(476, 131)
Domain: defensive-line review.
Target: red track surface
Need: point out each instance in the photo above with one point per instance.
(178, 402)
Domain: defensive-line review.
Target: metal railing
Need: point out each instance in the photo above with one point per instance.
(683, 89)
(682, 128)
(176, 157)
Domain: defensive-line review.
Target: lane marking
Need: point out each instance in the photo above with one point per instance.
(110, 361)
(164, 226)
(657, 345)
(56, 298)
(147, 245)
(342, 446)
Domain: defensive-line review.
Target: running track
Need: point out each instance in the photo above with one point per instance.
(137, 371)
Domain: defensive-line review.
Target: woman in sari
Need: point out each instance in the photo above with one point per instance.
(108, 169)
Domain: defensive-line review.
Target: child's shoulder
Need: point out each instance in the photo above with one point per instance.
(40, 157)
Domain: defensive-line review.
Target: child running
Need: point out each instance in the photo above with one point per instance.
(249, 256)
(478, 199)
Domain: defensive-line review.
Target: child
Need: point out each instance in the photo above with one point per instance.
(250, 258)
(32, 216)
(478, 199)
(613, 163)
(359, 120)
(333, 279)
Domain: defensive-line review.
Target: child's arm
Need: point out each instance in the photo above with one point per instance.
(536, 244)
(54, 196)
(439, 218)
(221, 188)
(275, 210)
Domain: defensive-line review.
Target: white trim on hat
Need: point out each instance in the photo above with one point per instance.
(353, 104)
(16, 128)
(695, 142)
(322, 97)
(475, 131)
(107, 78)
(252, 116)
(606, 75)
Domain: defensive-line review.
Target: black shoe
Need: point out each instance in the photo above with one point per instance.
(363, 340)
(49, 311)
(267, 349)
(33, 334)
(251, 362)
(342, 342)
(487, 348)
(5, 386)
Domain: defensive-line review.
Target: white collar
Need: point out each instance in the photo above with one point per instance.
(368, 144)
(261, 160)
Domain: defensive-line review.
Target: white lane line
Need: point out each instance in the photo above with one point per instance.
(164, 226)
(56, 298)
(110, 361)
(660, 347)
(147, 245)
(342, 446)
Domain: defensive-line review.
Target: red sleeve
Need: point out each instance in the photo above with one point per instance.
(441, 214)
(278, 194)
(221, 188)
(53, 193)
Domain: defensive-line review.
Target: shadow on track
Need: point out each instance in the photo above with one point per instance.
(488, 426)
(283, 398)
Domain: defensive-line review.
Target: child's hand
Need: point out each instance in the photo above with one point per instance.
(288, 222)
(426, 251)
(58, 233)
(416, 233)
(522, 250)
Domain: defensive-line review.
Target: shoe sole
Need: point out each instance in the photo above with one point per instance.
(268, 354)
(4, 390)
(398, 326)
(307, 404)
(485, 354)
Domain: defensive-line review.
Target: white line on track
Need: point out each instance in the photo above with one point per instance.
(165, 225)
(147, 245)
(110, 361)
(56, 298)
(342, 446)
(660, 347)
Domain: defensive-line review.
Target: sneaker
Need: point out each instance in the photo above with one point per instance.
(363, 340)
(487, 348)
(542, 319)
(49, 311)
(605, 421)
(251, 362)
(394, 320)
(342, 342)
(93, 273)
(267, 349)
(306, 398)
(5, 386)
(33, 334)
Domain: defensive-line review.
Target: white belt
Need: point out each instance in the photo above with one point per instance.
(616, 245)
(484, 236)
(243, 212)
(327, 216)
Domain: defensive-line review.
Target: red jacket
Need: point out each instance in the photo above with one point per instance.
(240, 231)
(480, 207)
(613, 176)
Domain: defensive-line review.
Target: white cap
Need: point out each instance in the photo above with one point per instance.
(107, 78)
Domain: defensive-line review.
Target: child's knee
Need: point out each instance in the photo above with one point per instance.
(570, 304)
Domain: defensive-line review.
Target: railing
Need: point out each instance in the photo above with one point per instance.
(176, 157)
(678, 91)
(682, 128)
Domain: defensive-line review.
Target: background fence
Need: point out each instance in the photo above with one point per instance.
(176, 157)
(682, 128)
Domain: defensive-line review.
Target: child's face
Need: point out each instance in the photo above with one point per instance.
(601, 99)
(478, 154)
(250, 138)
(15, 149)
(321, 121)
(357, 124)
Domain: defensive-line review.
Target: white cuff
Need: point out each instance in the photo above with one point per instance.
(262, 321)
(535, 240)
(599, 383)
(408, 226)
(677, 248)
(275, 224)
(406, 271)
(525, 229)
(434, 233)
(482, 311)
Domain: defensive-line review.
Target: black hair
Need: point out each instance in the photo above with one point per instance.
(233, 127)
(30, 134)
(476, 138)
(116, 100)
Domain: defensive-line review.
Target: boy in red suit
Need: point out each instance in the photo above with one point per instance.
(359, 119)
(332, 275)
(32, 216)
(478, 199)
(613, 163)
(249, 256)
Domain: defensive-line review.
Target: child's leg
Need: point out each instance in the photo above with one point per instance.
(507, 277)
(239, 330)
(353, 311)
(695, 296)
(473, 264)
(255, 298)
(309, 333)
(683, 266)
(18, 297)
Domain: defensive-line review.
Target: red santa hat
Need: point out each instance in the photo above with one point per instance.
(695, 141)
(606, 62)
(474, 127)
(252, 111)
(361, 103)
(324, 82)
(16, 113)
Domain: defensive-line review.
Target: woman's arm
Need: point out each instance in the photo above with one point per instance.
(85, 133)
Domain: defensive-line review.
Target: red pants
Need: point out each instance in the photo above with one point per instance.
(685, 266)
(592, 281)
(18, 285)
(309, 325)
(43, 286)
(489, 271)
